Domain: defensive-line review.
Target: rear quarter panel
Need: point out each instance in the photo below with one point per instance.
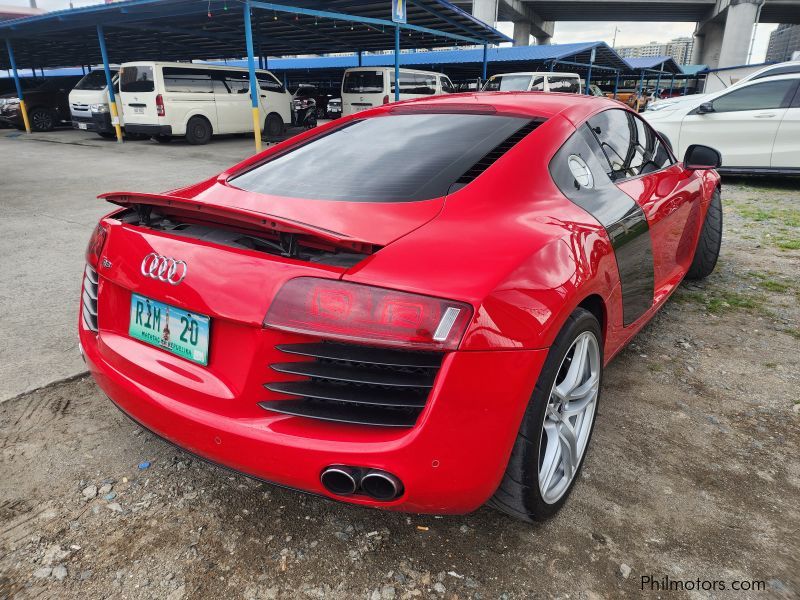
(510, 244)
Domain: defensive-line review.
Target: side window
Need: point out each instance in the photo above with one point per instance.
(426, 84)
(629, 145)
(564, 84)
(538, 84)
(655, 154)
(760, 96)
(238, 82)
(177, 79)
(615, 132)
(268, 82)
(407, 83)
(447, 86)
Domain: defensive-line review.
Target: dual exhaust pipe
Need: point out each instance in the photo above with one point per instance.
(346, 481)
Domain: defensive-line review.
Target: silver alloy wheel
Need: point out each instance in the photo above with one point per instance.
(569, 416)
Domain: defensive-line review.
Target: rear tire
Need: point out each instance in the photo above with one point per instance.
(555, 433)
(42, 119)
(198, 131)
(707, 251)
(273, 127)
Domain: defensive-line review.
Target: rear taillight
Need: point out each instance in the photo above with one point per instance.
(160, 106)
(360, 313)
(386, 99)
(96, 243)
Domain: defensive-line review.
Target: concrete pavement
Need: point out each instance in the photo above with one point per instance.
(49, 184)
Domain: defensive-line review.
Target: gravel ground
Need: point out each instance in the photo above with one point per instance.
(692, 474)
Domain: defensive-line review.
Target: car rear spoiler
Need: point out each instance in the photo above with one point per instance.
(235, 216)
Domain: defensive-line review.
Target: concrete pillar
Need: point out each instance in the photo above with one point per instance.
(485, 10)
(545, 35)
(712, 44)
(522, 33)
(739, 21)
(697, 48)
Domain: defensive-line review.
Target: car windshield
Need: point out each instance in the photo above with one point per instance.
(363, 82)
(397, 158)
(508, 83)
(96, 80)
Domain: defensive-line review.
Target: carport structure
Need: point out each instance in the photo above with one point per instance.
(208, 29)
(649, 67)
(582, 58)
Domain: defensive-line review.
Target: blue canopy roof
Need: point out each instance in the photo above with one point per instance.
(655, 63)
(208, 29)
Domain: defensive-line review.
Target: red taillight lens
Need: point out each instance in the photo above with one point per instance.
(386, 99)
(360, 313)
(96, 243)
(160, 106)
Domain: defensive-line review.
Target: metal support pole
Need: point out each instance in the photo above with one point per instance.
(671, 84)
(112, 101)
(641, 81)
(359, 58)
(658, 81)
(251, 64)
(396, 63)
(616, 85)
(588, 79)
(485, 60)
(552, 66)
(18, 85)
(685, 85)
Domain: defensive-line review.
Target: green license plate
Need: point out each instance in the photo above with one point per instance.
(178, 331)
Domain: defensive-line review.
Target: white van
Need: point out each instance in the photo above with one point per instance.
(365, 87)
(88, 103)
(534, 81)
(164, 100)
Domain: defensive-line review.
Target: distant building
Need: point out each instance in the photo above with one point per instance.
(680, 49)
(783, 43)
(17, 12)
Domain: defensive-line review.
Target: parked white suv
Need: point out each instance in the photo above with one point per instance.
(534, 81)
(163, 100)
(755, 125)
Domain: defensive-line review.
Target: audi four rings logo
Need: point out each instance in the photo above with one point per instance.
(164, 268)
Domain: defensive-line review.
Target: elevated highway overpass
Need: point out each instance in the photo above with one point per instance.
(722, 33)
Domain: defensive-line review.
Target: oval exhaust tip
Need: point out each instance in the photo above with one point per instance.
(339, 480)
(381, 486)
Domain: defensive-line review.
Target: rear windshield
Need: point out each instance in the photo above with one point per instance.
(508, 83)
(397, 158)
(137, 79)
(96, 80)
(363, 82)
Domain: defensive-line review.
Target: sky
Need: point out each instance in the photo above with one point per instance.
(630, 33)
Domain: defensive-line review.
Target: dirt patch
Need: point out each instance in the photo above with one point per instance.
(692, 475)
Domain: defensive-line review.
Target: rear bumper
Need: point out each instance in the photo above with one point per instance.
(450, 462)
(148, 129)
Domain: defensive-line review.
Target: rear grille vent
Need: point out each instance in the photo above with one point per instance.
(89, 299)
(495, 153)
(355, 384)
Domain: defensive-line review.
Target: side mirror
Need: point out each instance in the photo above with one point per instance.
(701, 157)
(704, 108)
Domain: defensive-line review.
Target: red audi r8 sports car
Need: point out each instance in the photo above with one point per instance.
(408, 308)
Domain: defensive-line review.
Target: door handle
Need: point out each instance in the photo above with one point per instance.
(765, 116)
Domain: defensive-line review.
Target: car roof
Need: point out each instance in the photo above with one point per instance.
(404, 69)
(537, 73)
(575, 107)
